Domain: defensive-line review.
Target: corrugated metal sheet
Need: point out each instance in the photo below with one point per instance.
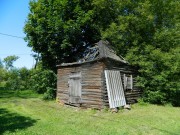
(115, 88)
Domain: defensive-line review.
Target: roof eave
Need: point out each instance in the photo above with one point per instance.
(81, 63)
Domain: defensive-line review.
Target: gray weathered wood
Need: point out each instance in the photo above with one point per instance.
(90, 89)
(74, 84)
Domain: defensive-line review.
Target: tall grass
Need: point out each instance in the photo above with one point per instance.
(25, 113)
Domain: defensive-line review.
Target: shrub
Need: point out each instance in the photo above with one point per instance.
(13, 79)
(49, 94)
(155, 97)
(175, 99)
(17, 79)
(43, 82)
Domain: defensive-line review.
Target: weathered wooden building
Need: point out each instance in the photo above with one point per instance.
(101, 79)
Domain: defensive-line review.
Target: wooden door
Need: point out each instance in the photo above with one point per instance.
(75, 88)
(114, 88)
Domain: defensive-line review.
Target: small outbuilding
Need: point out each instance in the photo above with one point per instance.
(101, 79)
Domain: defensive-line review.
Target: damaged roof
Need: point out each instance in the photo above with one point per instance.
(101, 50)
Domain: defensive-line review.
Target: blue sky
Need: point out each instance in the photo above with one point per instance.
(13, 14)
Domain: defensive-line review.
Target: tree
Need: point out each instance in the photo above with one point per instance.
(9, 60)
(43, 81)
(13, 79)
(3, 75)
(24, 75)
(61, 30)
(37, 59)
(147, 33)
(1, 64)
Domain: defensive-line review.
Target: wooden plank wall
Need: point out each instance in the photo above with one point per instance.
(94, 90)
(92, 82)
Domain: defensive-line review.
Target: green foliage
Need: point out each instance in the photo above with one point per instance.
(17, 79)
(43, 81)
(9, 60)
(13, 79)
(3, 75)
(1, 64)
(39, 80)
(141, 102)
(155, 97)
(49, 94)
(175, 95)
(61, 30)
(147, 34)
(24, 74)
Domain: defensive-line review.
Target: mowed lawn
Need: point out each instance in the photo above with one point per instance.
(25, 113)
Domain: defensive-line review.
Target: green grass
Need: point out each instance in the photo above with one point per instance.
(25, 113)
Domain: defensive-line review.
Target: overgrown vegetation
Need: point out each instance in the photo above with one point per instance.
(43, 81)
(148, 35)
(24, 113)
(39, 80)
(146, 32)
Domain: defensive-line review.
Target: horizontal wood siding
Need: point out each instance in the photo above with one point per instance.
(62, 84)
(91, 82)
(94, 90)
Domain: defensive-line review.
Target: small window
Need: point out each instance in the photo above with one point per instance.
(128, 82)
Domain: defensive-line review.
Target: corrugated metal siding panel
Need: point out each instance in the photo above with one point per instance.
(115, 88)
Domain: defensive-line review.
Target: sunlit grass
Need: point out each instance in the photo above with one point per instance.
(25, 113)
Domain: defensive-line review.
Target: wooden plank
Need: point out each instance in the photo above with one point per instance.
(91, 82)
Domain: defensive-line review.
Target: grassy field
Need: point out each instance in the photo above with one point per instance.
(25, 113)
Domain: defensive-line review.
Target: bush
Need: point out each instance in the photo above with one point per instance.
(155, 97)
(159, 75)
(49, 94)
(43, 82)
(3, 75)
(17, 79)
(13, 80)
(175, 99)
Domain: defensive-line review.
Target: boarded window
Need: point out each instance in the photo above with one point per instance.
(128, 82)
(114, 88)
(75, 87)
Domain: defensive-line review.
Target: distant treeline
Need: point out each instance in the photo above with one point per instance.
(40, 80)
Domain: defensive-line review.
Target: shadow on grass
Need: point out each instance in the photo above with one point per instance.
(10, 121)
